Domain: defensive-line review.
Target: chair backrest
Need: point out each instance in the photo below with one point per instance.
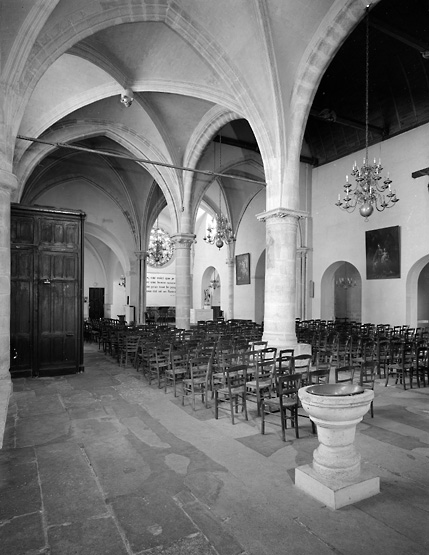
(226, 360)
(288, 386)
(319, 376)
(367, 374)
(235, 376)
(285, 362)
(268, 353)
(199, 366)
(265, 369)
(256, 345)
(179, 359)
(344, 374)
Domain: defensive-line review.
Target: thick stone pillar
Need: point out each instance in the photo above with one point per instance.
(142, 278)
(7, 184)
(280, 276)
(183, 243)
(230, 285)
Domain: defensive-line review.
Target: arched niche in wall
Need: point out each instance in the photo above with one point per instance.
(341, 292)
(210, 287)
(417, 293)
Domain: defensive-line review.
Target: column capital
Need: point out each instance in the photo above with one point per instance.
(183, 239)
(281, 213)
(230, 261)
(141, 255)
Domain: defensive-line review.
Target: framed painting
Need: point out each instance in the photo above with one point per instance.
(242, 269)
(383, 255)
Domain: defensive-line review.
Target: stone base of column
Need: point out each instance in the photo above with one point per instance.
(5, 393)
(336, 493)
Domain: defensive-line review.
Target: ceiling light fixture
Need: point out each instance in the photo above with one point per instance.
(219, 232)
(127, 97)
(368, 191)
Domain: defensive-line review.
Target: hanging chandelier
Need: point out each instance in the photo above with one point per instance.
(369, 191)
(219, 231)
(345, 282)
(160, 249)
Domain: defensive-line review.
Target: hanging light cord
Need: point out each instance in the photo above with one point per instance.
(367, 86)
(140, 160)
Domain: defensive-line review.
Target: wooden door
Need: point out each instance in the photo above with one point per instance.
(57, 310)
(96, 303)
(21, 312)
(46, 291)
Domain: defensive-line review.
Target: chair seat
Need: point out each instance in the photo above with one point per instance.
(274, 402)
(196, 381)
(262, 383)
(234, 390)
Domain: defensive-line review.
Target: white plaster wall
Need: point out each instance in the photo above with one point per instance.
(251, 239)
(338, 235)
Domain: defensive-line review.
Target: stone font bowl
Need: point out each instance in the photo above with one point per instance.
(336, 389)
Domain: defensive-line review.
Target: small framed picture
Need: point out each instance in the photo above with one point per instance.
(242, 269)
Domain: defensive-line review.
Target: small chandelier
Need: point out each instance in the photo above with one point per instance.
(219, 232)
(160, 249)
(214, 282)
(368, 191)
(345, 282)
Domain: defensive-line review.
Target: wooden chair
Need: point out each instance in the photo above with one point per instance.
(196, 382)
(129, 350)
(233, 392)
(285, 404)
(262, 383)
(421, 365)
(285, 362)
(177, 369)
(301, 365)
(162, 362)
(401, 363)
(367, 373)
(382, 355)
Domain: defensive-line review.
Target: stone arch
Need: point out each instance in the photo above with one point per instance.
(327, 289)
(136, 145)
(333, 30)
(411, 290)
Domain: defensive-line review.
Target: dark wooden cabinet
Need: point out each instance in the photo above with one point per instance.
(46, 318)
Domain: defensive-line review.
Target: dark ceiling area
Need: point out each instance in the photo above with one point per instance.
(398, 98)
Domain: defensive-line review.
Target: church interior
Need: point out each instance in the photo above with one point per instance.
(196, 167)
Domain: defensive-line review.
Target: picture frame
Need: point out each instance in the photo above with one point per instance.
(383, 260)
(242, 269)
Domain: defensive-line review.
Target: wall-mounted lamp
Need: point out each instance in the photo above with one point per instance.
(127, 97)
(122, 282)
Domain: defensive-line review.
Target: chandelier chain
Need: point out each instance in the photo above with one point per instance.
(369, 191)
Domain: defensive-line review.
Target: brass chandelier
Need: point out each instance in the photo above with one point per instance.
(219, 231)
(369, 191)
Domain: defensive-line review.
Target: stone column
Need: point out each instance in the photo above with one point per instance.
(280, 276)
(142, 277)
(8, 183)
(230, 305)
(302, 283)
(183, 243)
